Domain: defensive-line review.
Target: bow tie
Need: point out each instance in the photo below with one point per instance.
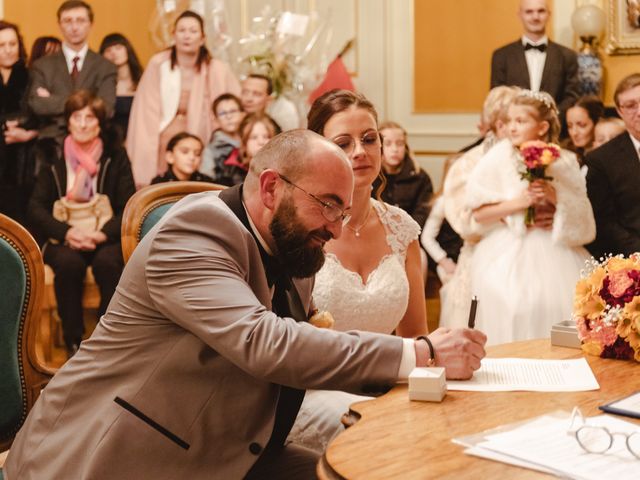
(542, 47)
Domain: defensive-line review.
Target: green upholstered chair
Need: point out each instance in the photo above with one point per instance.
(149, 204)
(22, 375)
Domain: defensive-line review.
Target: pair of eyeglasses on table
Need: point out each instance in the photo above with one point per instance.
(598, 439)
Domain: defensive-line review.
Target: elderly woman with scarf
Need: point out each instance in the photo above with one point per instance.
(91, 163)
(175, 95)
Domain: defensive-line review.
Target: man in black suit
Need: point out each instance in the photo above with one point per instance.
(75, 67)
(535, 62)
(613, 178)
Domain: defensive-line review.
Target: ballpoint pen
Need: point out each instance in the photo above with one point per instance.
(472, 312)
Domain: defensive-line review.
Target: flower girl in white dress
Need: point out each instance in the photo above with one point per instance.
(525, 277)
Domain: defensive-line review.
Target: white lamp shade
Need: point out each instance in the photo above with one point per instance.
(588, 21)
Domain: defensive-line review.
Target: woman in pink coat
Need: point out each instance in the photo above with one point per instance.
(175, 94)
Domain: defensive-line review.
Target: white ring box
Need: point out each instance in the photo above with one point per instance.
(427, 384)
(565, 334)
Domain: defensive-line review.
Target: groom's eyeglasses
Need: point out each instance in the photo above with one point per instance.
(331, 212)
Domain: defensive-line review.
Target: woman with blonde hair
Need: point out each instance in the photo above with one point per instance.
(175, 94)
(454, 310)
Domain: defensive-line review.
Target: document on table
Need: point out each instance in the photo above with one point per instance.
(546, 444)
(523, 374)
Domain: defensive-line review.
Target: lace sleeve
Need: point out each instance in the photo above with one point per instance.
(401, 228)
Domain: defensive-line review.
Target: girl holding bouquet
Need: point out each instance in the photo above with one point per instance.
(524, 272)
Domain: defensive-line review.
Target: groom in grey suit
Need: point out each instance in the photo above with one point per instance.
(75, 67)
(536, 63)
(198, 367)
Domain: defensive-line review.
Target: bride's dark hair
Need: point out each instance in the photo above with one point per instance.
(336, 101)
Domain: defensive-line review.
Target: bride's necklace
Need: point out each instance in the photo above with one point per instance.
(356, 230)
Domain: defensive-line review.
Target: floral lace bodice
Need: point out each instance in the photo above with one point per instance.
(378, 304)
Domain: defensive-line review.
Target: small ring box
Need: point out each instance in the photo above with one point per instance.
(427, 384)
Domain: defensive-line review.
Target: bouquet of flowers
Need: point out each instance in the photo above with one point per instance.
(606, 307)
(537, 156)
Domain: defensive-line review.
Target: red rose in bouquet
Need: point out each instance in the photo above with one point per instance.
(537, 156)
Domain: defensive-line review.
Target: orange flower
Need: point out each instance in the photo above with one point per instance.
(616, 263)
(592, 348)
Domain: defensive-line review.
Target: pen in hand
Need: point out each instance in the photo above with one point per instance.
(472, 312)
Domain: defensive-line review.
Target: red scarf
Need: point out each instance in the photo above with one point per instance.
(83, 160)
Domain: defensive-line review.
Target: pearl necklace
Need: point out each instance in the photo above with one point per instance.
(356, 230)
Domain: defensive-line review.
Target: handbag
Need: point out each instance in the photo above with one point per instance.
(88, 216)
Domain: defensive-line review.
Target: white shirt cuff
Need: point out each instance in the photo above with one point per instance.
(408, 361)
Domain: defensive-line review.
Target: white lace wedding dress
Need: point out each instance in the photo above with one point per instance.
(525, 277)
(376, 305)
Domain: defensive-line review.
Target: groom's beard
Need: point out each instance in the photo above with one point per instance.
(292, 238)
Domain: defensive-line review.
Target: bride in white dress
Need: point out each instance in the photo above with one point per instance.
(525, 277)
(372, 278)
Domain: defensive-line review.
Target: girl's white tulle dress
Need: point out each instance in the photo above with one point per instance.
(525, 277)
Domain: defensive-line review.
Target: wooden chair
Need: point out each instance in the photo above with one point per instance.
(22, 375)
(149, 204)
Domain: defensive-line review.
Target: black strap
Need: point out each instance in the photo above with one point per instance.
(286, 302)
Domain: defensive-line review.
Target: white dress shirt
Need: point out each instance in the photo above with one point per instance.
(636, 145)
(70, 54)
(535, 62)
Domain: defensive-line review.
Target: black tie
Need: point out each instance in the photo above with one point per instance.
(542, 47)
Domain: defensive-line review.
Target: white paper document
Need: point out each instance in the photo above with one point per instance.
(546, 444)
(522, 374)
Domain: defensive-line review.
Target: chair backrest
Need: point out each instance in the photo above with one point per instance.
(149, 204)
(22, 375)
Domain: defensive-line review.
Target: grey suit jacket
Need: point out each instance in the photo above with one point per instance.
(98, 75)
(559, 76)
(182, 375)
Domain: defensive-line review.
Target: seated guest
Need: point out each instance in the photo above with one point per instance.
(43, 46)
(175, 95)
(606, 129)
(183, 157)
(118, 50)
(226, 139)
(613, 178)
(199, 366)
(18, 126)
(90, 163)
(406, 184)
(516, 264)
(581, 121)
(75, 67)
(256, 129)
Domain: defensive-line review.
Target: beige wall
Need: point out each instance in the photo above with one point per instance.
(453, 45)
(129, 17)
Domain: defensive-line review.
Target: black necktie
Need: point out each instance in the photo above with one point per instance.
(542, 47)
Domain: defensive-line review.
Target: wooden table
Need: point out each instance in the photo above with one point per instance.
(399, 439)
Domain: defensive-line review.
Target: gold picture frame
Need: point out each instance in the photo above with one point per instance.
(623, 36)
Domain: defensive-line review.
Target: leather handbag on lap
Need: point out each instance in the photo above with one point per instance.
(88, 216)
